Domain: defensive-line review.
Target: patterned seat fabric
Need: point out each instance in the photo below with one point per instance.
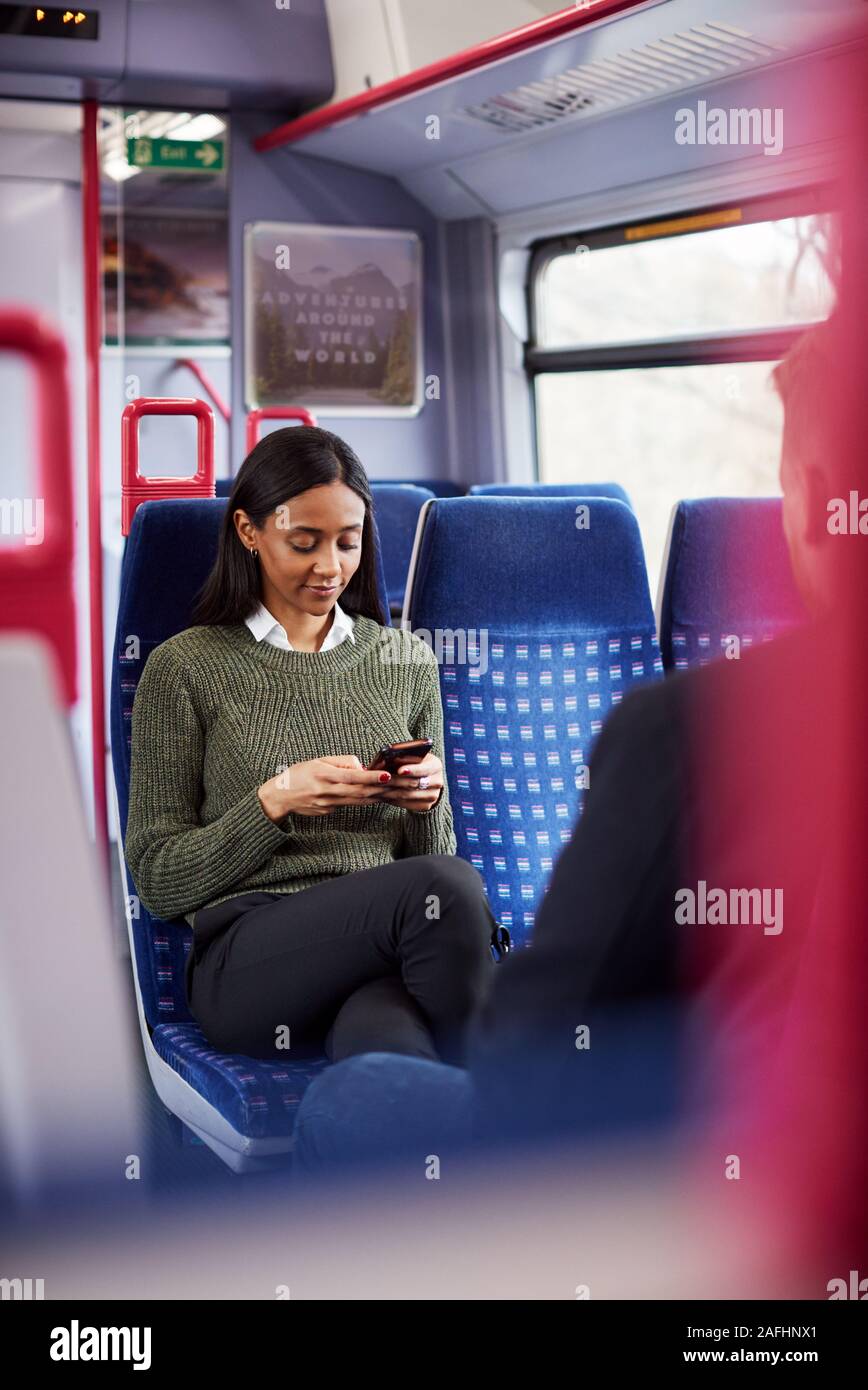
(529, 670)
(518, 742)
(258, 1098)
(728, 584)
(169, 553)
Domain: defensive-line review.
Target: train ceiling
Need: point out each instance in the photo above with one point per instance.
(215, 54)
(532, 129)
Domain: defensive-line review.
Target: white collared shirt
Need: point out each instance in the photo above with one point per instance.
(265, 627)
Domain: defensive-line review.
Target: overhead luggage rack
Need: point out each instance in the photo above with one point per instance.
(503, 127)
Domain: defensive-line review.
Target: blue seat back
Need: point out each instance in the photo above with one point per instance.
(397, 507)
(441, 487)
(168, 556)
(540, 629)
(613, 491)
(727, 575)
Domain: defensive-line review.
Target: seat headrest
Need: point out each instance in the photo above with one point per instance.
(400, 495)
(483, 561)
(441, 487)
(438, 487)
(729, 564)
(396, 508)
(168, 557)
(613, 491)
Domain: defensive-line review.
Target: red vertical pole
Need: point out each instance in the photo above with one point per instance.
(92, 246)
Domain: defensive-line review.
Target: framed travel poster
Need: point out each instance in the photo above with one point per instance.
(333, 318)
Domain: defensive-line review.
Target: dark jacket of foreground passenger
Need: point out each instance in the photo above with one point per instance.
(642, 980)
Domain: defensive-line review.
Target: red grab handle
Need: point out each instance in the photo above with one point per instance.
(207, 384)
(274, 412)
(134, 488)
(37, 589)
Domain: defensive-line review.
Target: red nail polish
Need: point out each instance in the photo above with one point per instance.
(385, 777)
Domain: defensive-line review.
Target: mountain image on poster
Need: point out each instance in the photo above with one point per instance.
(333, 318)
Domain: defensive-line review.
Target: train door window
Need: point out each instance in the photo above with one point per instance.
(652, 347)
(165, 241)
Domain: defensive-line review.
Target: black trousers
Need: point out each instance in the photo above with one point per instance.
(391, 959)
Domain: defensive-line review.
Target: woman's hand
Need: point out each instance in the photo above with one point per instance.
(406, 789)
(314, 788)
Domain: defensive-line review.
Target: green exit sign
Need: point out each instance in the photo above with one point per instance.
(201, 155)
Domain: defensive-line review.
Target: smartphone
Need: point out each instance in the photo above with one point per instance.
(394, 754)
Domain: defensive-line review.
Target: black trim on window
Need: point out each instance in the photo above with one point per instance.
(707, 349)
(743, 345)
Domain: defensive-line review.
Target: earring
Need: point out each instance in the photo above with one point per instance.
(255, 554)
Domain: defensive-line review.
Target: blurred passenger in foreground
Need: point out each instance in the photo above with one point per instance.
(721, 781)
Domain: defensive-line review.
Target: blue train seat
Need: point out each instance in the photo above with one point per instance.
(441, 487)
(242, 1107)
(540, 629)
(613, 491)
(397, 507)
(726, 574)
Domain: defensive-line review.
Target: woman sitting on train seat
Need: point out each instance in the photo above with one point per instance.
(329, 911)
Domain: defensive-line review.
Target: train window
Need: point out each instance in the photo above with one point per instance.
(665, 434)
(749, 275)
(652, 347)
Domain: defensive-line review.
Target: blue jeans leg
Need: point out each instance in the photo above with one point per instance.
(380, 1108)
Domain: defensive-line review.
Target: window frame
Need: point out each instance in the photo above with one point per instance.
(679, 350)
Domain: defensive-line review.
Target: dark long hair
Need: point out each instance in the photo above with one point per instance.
(284, 464)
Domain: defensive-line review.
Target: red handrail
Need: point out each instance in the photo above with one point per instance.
(207, 385)
(538, 32)
(37, 578)
(274, 412)
(136, 489)
(92, 255)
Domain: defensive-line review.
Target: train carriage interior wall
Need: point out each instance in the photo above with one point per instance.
(433, 515)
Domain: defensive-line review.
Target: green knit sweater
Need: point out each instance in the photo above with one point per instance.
(217, 713)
